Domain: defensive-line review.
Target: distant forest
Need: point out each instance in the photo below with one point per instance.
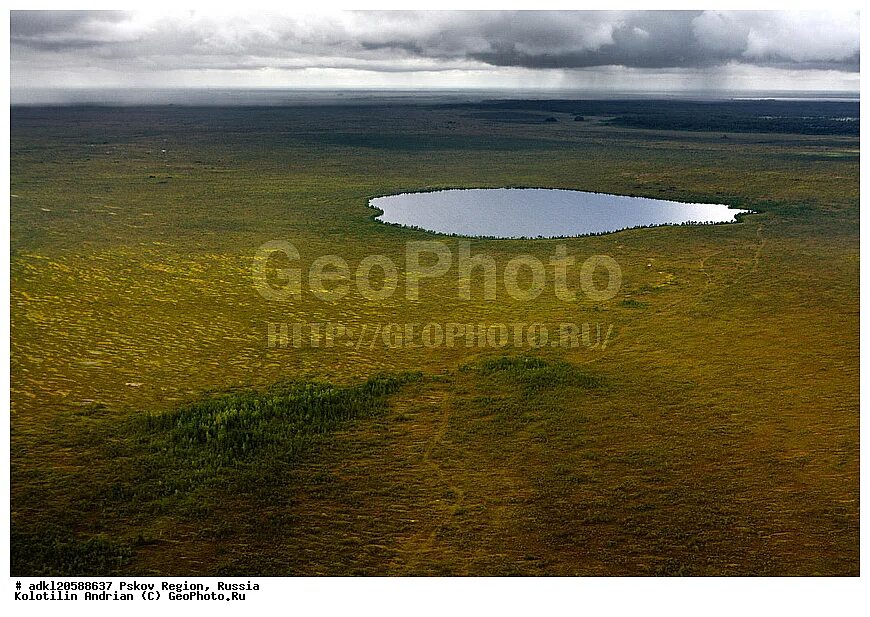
(761, 116)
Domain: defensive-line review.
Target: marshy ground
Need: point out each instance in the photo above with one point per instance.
(154, 431)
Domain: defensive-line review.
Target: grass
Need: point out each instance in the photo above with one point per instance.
(55, 553)
(281, 421)
(179, 459)
(535, 374)
(717, 432)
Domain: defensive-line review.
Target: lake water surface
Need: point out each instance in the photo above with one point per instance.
(539, 213)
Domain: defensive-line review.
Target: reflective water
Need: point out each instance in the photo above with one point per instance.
(539, 213)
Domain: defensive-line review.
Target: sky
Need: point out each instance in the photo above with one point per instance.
(594, 51)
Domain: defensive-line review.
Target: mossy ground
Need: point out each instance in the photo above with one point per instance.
(717, 433)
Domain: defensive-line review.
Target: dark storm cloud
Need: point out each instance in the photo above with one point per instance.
(641, 40)
(654, 39)
(385, 42)
(62, 29)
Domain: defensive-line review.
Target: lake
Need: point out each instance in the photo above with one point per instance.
(539, 213)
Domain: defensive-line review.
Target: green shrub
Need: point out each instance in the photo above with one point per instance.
(281, 420)
(57, 553)
(536, 374)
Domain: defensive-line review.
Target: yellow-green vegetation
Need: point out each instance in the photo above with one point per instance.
(154, 431)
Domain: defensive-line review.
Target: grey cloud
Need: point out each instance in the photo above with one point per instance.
(57, 30)
(656, 39)
(33, 23)
(409, 41)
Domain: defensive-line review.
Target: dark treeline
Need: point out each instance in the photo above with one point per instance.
(759, 116)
